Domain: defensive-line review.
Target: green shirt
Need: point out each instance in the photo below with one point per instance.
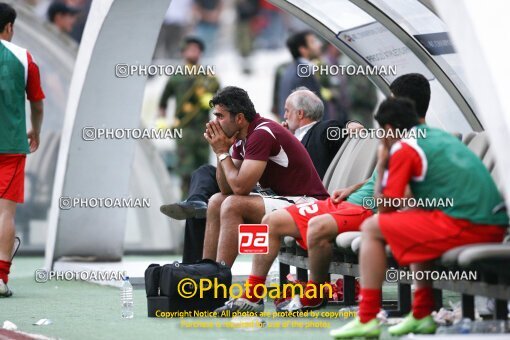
(442, 168)
(13, 134)
(366, 191)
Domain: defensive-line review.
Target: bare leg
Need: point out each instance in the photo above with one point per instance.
(7, 228)
(321, 231)
(212, 226)
(423, 266)
(236, 210)
(372, 257)
(280, 224)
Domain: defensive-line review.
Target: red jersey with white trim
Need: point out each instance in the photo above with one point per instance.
(445, 175)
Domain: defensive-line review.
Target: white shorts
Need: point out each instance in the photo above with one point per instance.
(272, 203)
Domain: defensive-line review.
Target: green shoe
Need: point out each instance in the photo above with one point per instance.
(356, 329)
(425, 325)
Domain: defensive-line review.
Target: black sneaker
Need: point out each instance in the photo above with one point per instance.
(185, 209)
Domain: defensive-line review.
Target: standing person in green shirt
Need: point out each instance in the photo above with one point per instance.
(438, 168)
(19, 74)
(192, 94)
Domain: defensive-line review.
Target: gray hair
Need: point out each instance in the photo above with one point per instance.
(304, 99)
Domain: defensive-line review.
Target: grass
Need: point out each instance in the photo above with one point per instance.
(84, 310)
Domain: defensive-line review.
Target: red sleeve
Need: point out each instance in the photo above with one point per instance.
(34, 90)
(403, 165)
(260, 146)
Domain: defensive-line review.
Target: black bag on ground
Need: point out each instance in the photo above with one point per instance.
(162, 284)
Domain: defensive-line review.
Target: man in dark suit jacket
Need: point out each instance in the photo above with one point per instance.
(303, 117)
(303, 113)
(304, 47)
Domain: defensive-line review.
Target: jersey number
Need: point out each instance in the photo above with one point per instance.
(307, 208)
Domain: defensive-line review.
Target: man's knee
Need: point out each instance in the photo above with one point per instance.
(273, 220)
(370, 227)
(321, 231)
(234, 204)
(268, 219)
(249, 208)
(216, 201)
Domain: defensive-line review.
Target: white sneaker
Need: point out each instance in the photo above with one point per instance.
(241, 305)
(4, 290)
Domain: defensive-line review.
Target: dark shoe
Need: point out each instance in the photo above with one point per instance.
(185, 209)
(4, 290)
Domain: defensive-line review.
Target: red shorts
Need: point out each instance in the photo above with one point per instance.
(348, 216)
(421, 235)
(12, 177)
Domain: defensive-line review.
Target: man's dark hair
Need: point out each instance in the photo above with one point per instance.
(397, 112)
(415, 87)
(192, 40)
(60, 8)
(235, 100)
(7, 15)
(294, 42)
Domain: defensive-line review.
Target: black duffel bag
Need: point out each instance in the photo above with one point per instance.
(161, 286)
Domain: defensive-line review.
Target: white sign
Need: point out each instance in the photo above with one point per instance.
(378, 46)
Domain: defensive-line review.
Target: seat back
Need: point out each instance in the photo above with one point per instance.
(347, 147)
(479, 144)
(355, 166)
(488, 159)
(458, 135)
(498, 180)
(468, 137)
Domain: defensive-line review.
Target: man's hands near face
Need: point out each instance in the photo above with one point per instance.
(217, 138)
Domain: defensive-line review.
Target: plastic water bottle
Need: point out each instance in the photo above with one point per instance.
(274, 278)
(489, 327)
(126, 298)
(465, 326)
(445, 330)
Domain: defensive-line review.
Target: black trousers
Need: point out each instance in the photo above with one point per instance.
(202, 186)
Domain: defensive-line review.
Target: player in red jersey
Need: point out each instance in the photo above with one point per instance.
(19, 74)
